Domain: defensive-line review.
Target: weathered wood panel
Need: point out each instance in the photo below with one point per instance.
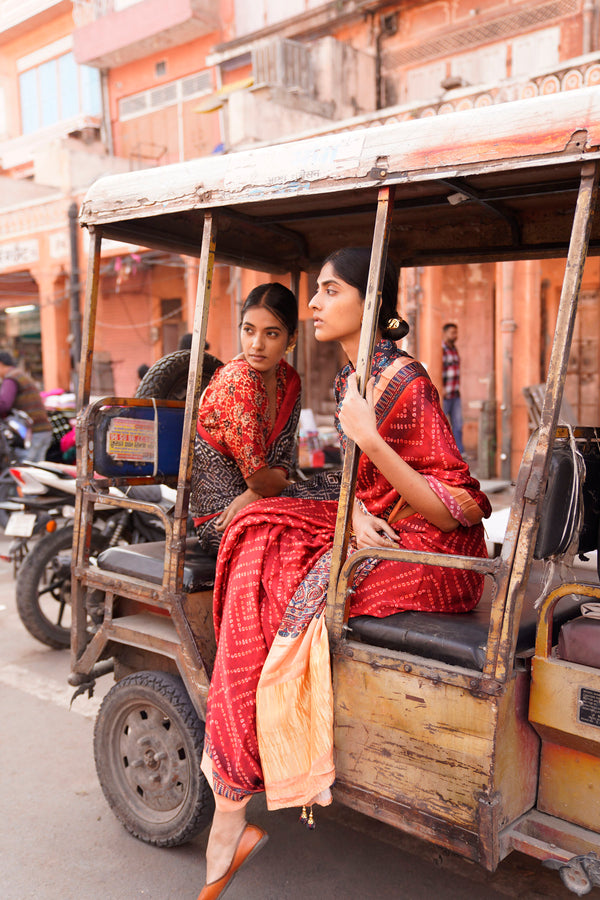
(450, 763)
(525, 130)
(517, 754)
(424, 744)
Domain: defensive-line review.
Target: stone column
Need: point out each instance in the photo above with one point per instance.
(54, 324)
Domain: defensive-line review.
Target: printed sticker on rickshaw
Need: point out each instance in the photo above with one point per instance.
(131, 439)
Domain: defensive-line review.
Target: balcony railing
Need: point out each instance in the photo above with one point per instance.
(579, 72)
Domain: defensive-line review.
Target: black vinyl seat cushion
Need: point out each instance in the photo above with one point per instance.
(147, 561)
(455, 638)
(458, 639)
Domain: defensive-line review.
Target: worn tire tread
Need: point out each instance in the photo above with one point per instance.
(167, 378)
(171, 688)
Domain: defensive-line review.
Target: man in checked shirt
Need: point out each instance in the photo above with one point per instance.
(451, 382)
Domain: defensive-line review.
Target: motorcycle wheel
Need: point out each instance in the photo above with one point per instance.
(167, 378)
(43, 587)
(148, 744)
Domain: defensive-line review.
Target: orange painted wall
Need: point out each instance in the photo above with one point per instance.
(198, 135)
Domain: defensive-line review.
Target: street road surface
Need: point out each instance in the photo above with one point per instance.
(60, 841)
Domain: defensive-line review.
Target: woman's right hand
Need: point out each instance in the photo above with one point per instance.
(371, 531)
(242, 500)
(357, 414)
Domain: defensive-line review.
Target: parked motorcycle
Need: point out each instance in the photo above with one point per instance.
(43, 586)
(15, 434)
(43, 500)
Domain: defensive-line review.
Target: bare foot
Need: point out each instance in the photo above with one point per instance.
(225, 832)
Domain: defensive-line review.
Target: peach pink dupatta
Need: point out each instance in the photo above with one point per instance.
(294, 714)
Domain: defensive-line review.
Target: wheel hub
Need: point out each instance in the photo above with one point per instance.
(153, 759)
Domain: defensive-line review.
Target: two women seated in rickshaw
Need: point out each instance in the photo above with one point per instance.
(269, 722)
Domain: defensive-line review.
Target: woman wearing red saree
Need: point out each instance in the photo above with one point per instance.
(248, 417)
(269, 722)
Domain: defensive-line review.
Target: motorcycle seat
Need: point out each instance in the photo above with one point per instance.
(147, 561)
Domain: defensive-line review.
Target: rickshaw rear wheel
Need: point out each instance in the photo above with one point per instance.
(167, 378)
(148, 743)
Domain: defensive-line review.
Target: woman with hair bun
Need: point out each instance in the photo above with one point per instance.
(269, 725)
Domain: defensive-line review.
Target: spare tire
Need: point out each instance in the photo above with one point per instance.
(167, 378)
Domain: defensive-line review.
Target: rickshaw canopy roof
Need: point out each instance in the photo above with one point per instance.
(498, 182)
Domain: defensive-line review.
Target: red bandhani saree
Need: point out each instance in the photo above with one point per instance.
(271, 586)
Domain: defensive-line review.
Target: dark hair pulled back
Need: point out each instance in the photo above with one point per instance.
(351, 264)
(277, 299)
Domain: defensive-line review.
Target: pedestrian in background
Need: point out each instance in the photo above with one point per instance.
(451, 382)
(19, 391)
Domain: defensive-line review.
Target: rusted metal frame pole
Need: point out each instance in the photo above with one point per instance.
(337, 601)
(557, 369)
(190, 662)
(89, 318)
(295, 288)
(444, 560)
(175, 548)
(84, 512)
(509, 549)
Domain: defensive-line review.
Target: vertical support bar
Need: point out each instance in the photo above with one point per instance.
(501, 646)
(83, 515)
(89, 319)
(175, 548)
(74, 293)
(336, 605)
(565, 320)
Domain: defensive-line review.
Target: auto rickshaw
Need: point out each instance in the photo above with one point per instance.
(474, 731)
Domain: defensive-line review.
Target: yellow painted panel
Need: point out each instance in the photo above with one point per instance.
(570, 786)
(554, 703)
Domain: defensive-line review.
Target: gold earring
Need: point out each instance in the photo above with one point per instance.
(291, 347)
